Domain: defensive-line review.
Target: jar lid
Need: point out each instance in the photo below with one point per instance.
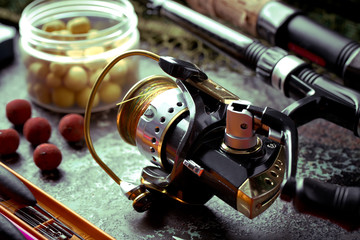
(113, 20)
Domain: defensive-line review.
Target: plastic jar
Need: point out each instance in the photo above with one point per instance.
(65, 44)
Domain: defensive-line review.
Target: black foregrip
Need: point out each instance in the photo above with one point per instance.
(288, 28)
(339, 204)
(317, 43)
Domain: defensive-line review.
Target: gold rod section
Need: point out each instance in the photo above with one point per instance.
(89, 105)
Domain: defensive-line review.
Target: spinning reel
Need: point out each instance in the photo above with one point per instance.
(316, 97)
(202, 140)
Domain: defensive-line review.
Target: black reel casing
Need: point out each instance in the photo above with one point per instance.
(210, 148)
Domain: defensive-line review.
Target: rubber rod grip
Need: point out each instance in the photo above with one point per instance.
(340, 204)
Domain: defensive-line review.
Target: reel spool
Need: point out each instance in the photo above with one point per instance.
(159, 105)
(202, 140)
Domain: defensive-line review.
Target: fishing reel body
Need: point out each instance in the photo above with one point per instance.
(316, 95)
(203, 141)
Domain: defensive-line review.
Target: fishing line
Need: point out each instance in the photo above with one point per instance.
(142, 95)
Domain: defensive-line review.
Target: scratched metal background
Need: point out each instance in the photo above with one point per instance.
(327, 152)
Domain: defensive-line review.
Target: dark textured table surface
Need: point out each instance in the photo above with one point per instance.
(327, 152)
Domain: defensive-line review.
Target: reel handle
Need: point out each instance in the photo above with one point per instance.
(339, 204)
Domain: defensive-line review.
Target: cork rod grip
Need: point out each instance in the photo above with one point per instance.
(240, 13)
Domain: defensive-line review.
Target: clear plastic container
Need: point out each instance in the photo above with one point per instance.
(65, 44)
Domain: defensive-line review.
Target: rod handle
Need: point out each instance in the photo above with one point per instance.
(339, 204)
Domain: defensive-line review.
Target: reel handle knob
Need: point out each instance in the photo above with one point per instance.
(143, 202)
(141, 197)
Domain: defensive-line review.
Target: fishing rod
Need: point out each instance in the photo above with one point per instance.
(288, 28)
(317, 97)
(276, 67)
